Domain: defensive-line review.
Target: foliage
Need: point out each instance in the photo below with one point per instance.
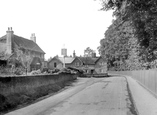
(116, 45)
(143, 16)
(4, 70)
(35, 72)
(134, 61)
(23, 58)
(88, 52)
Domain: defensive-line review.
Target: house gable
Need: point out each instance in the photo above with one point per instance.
(101, 65)
(77, 62)
(13, 46)
(100, 62)
(55, 63)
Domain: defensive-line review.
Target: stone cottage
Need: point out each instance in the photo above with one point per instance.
(26, 51)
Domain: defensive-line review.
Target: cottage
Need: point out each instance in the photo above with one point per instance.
(101, 65)
(93, 64)
(21, 49)
(58, 62)
(88, 64)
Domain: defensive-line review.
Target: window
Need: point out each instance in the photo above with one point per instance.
(101, 71)
(55, 64)
(102, 63)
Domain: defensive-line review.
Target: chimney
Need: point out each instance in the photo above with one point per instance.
(74, 54)
(93, 55)
(33, 38)
(9, 39)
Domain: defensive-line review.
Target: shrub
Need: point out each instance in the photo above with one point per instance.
(35, 72)
(5, 70)
(19, 71)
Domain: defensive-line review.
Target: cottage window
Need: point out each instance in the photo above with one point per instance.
(102, 63)
(55, 64)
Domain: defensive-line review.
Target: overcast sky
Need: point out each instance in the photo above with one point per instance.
(76, 23)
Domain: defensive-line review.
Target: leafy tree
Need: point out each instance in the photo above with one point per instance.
(23, 58)
(115, 46)
(134, 61)
(88, 52)
(143, 16)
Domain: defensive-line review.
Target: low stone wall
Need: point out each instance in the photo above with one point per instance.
(94, 75)
(148, 78)
(25, 89)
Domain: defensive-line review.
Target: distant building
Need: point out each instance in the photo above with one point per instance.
(58, 62)
(88, 64)
(15, 46)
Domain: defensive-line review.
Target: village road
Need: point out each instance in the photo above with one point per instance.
(89, 96)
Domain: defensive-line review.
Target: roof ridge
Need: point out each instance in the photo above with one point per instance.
(34, 47)
(23, 37)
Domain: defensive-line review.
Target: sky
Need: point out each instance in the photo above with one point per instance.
(57, 24)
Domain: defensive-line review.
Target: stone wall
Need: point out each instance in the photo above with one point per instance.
(18, 90)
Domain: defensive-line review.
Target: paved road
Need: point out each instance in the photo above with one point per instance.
(89, 96)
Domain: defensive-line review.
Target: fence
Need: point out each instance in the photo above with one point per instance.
(147, 77)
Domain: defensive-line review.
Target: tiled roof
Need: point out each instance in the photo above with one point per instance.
(3, 39)
(68, 60)
(25, 43)
(88, 60)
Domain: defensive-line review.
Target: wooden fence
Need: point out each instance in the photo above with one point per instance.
(148, 78)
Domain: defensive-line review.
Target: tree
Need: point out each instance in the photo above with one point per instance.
(143, 16)
(134, 61)
(115, 45)
(24, 59)
(88, 52)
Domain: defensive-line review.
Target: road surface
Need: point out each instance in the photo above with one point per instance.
(88, 96)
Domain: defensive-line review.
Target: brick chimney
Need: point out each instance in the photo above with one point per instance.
(33, 38)
(9, 39)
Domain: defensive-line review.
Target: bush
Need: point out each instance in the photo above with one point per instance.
(11, 71)
(19, 71)
(35, 72)
(65, 70)
(54, 70)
